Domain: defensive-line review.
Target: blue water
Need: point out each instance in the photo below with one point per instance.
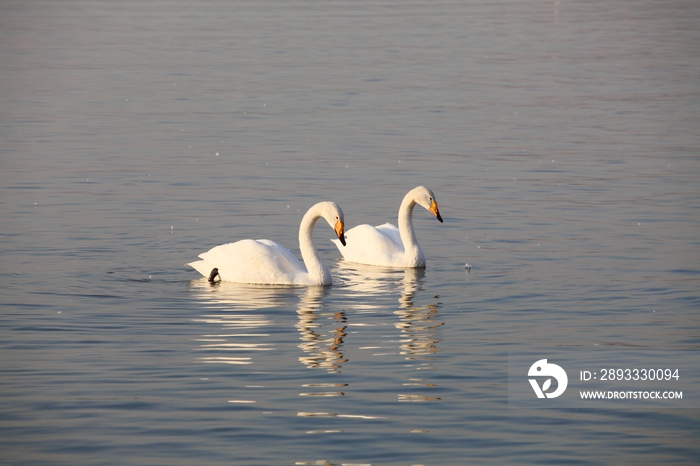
(561, 140)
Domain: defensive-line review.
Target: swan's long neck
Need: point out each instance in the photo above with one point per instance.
(408, 235)
(309, 254)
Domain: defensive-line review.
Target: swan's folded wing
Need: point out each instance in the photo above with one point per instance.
(282, 257)
(391, 232)
(372, 245)
(251, 261)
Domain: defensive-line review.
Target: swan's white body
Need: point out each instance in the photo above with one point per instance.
(266, 262)
(387, 245)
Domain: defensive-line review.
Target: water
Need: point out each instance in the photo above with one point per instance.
(561, 140)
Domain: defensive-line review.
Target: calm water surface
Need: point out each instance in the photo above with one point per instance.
(560, 137)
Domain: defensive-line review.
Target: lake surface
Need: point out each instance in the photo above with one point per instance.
(561, 139)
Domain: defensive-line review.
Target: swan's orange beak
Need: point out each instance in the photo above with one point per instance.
(434, 210)
(340, 230)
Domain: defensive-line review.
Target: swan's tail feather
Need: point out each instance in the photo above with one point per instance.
(202, 267)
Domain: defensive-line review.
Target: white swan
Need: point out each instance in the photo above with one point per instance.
(389, 246)
(266, 262)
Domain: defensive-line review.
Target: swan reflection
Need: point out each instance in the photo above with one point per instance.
(241, 296)
(322, 340)
(371, 280)
(242, 332)
(417, 324)
(321, 331)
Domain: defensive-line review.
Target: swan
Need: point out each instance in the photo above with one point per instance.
(389, 246)
(268, 263)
